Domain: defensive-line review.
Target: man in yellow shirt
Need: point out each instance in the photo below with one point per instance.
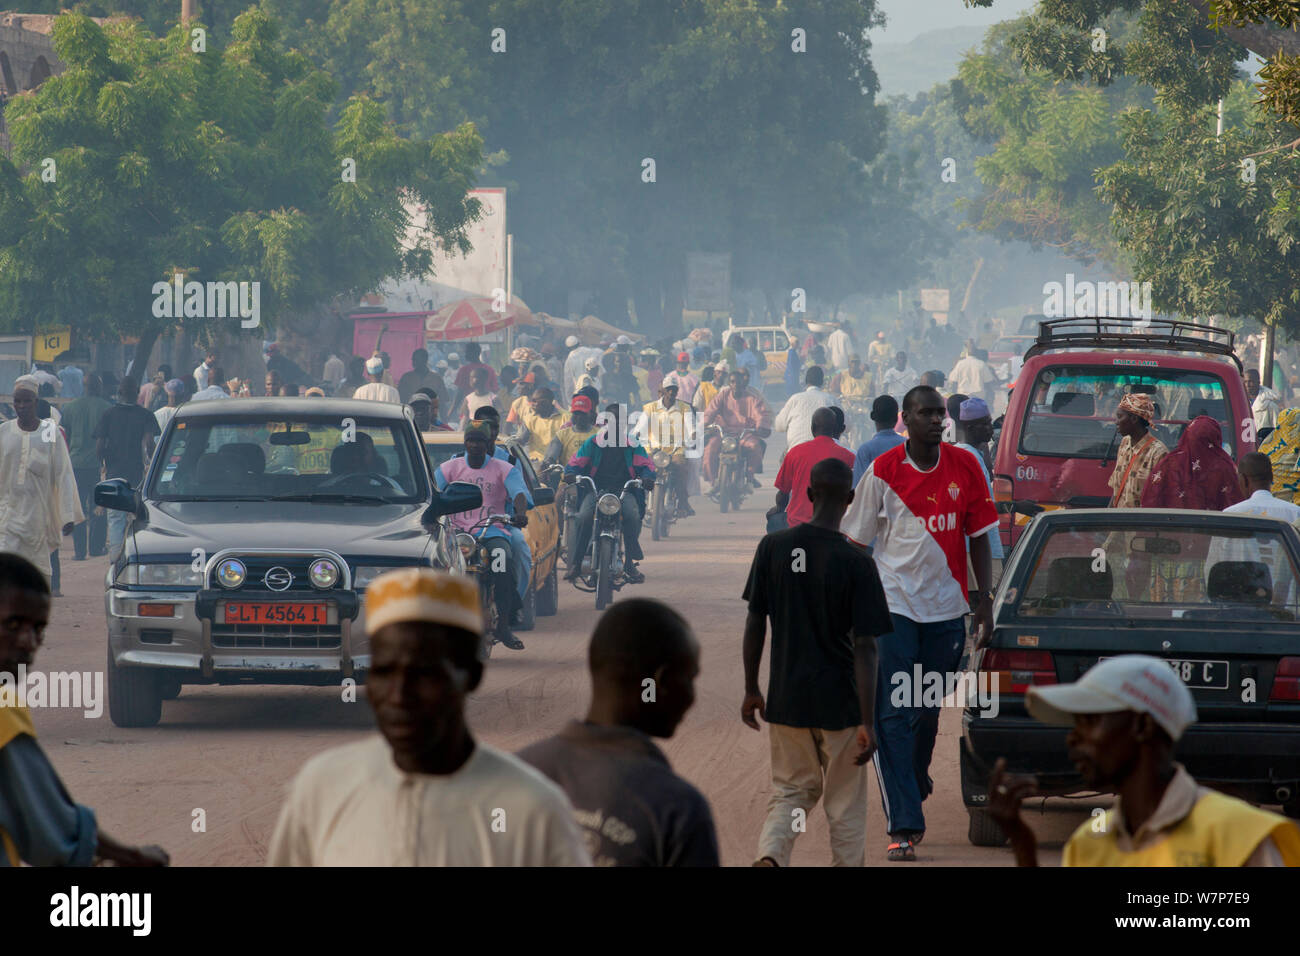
(1128, 713)
(570, 436)
(669, 425)
(708, 386)
(853, 382)
(541, 422)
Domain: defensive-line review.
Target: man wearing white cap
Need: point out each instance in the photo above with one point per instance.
(38, 491)
(576, 366)
(1128, 713)
(423, 791)
(375, 390)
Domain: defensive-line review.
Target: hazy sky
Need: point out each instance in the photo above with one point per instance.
(908, 18)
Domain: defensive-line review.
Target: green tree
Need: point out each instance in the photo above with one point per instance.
(219, 165)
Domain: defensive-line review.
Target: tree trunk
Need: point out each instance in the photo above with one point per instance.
(1263, 39)
(1266, 373)
(140, 360)
(970, 286)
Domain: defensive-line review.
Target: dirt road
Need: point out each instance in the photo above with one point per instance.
(226, 754)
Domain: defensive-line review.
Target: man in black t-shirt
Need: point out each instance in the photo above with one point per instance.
(633, 809)
(827, 608)
(124, 440)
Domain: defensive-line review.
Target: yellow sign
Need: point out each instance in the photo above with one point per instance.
(46, 346)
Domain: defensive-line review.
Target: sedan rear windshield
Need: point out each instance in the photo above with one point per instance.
(1071, 411)
(1161, 572)
(243, 458)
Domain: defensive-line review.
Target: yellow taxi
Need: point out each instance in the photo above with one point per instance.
(542, 533)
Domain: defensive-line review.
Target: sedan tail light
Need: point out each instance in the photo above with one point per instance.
(1286, 684)
(1013, 672)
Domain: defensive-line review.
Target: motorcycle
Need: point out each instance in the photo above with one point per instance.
(664, 504)
(489, 560)
(569, 513)
(857, 415)
(602, 562)
(732, 485)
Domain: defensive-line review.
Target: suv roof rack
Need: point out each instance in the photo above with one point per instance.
(1103, 332)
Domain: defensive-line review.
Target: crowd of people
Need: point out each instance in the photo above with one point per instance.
(881, 553)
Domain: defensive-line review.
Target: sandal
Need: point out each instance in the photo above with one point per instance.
(901, 852)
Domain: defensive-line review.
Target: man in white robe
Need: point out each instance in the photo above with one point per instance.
(38, 492)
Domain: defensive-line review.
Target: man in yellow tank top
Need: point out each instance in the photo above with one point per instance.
(39, 823)
(853, 382)
(1128, 713)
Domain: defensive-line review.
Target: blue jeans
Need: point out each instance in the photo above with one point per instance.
(521, 556)
(905, 735)
(116, 531)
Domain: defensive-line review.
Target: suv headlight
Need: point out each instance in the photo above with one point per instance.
(160, 575)
(366, 573)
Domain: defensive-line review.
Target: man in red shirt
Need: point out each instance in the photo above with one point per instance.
(796, 469)
(472, 353)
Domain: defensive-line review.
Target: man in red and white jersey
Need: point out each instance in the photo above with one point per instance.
(920, 501)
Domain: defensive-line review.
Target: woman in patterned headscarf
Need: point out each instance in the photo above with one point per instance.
(1283, 449)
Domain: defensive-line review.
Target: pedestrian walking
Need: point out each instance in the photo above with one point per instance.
(793, 479)
(80, 418)
(920, 501)
(1128, 714)
(633, 809)
(40, 825)
(124, 439)
(826, 607)
(422, 791)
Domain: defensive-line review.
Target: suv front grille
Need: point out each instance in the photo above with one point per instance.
(287, 636)
(259, 564)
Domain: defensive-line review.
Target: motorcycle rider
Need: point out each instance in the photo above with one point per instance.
(500, 483)
(541, 421)
(521, 553)
(734, 408)
(580, 426)
(669, 424)
(610, 460)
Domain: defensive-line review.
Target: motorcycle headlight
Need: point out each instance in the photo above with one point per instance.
(323, 573)
(730, 444)
(661, 459)
(609, 505)
(160, 575)
(231, 573)
(466, 544)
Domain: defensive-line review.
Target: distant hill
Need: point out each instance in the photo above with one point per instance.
(906, 69)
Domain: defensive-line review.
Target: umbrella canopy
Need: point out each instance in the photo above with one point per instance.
(594, 330)
(472, 318)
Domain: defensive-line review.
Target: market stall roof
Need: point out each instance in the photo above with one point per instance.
(467, 319)
(594, 330)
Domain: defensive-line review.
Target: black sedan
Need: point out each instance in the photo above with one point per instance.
(1216, 595)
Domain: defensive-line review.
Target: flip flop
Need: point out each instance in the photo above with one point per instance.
(901, 852)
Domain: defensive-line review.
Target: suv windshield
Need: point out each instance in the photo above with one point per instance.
(1071, 412)
(1162, 572)
(251, 458)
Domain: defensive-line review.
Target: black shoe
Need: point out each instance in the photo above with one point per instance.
(755, 482)
(632, 574)
(685, 511)
(510, 641)
(571, 574)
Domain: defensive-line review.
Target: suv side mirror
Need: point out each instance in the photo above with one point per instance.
(543, 496)
(456, 497)
(116, 495)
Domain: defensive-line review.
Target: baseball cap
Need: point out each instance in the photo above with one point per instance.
(683, 357)
(1137, 682)
(974, 408)
(571, 341)
(418, 397)
(580, 403)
